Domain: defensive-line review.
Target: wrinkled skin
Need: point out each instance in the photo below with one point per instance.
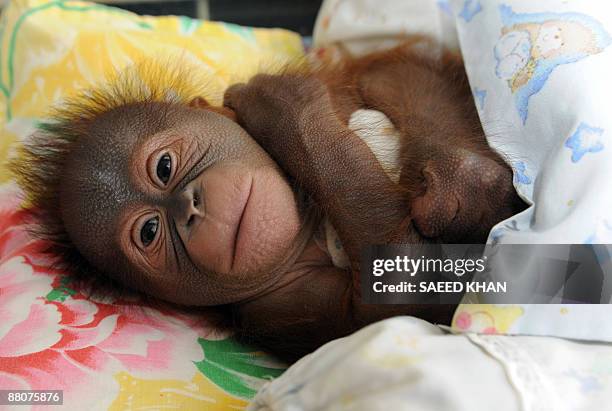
(227, 216)
(226, 227)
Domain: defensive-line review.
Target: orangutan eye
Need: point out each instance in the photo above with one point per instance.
(149, 231)
(164, 168)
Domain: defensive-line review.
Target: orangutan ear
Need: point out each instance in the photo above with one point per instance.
(200, 102)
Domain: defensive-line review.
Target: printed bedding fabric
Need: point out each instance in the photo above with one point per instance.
(408, 364)
(110, 354)
(540, 76)
(539, 72)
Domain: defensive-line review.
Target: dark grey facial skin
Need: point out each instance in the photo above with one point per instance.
(217, 228)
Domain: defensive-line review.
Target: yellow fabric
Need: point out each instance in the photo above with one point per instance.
(51, 48)
(198, 394)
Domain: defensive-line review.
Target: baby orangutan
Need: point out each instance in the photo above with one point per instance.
(218, 206)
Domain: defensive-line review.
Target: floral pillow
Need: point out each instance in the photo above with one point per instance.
(113, 353)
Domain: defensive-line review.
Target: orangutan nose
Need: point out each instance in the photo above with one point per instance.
(465, 195)
(188, 206)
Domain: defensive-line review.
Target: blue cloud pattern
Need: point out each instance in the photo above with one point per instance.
(480, 95)
(470, 9)
(445, 6)
(520, 175)
(586, 139)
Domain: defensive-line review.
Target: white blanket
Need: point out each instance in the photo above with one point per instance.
(408, 364)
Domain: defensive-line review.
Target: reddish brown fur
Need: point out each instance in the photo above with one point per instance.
(429, 102)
